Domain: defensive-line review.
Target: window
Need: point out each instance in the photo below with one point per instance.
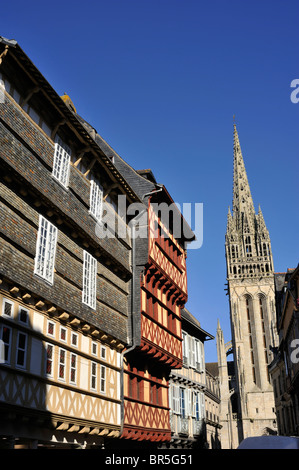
(51, 328)
(21, 349)
(23, 315)
(7, 308)
(199, 350)
(61, 368)
(2, 89)
(89, 280)
(248, 249)
(63, 333)
(202, 404)
(94, 348)
(61, 164)
(182, 403)
(103, 380)
(196, 406)
(103, 352)
(155, 393)
(74, 339)
(185, 348)
(192, 352)
(93, 381)
(45, 250)
(73, 368)
(5, 336)
(49, 359)
(175, 399)
(96, 200)
(251, 346)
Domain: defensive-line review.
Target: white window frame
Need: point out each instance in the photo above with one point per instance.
(73, 368)
(89, 291)
(2, 89)
(6, 345)
(194, 401)
(94, 345)
(51, 359)
(185, 348)
(192, 352)
(96, 200)
(49, 322)
(190, 402)
(93, 375)
(61, 363)
(45, 250)
(183, 402)
(103, 379)
(61, 162)
(199, 355)
(24, 350)
(63, 328)
(176, 399)
(11, 303)
(103, 353)
(74, 335)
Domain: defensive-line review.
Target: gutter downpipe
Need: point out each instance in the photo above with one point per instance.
(133, 341)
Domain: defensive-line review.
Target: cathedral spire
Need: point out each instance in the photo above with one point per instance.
(242, 199)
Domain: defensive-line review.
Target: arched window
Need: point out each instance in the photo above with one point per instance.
(248, 249)
(250, 337)
(262, 317)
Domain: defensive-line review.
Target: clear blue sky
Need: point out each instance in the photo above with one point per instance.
(161, 81)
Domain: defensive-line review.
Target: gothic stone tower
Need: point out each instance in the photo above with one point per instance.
(250, 277)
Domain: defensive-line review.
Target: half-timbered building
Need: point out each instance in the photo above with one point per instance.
(158, 291)
(63, 289)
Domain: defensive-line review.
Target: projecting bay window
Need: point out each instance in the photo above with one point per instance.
(45, 250)
(89, 280)
(96, 200)
(61, 163)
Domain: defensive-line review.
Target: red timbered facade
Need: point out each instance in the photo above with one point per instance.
(163, 293)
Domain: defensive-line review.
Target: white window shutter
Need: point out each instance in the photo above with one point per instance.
(202, 404)
(194, 404)
(177, 399)
(192, 352)
(189, 407)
